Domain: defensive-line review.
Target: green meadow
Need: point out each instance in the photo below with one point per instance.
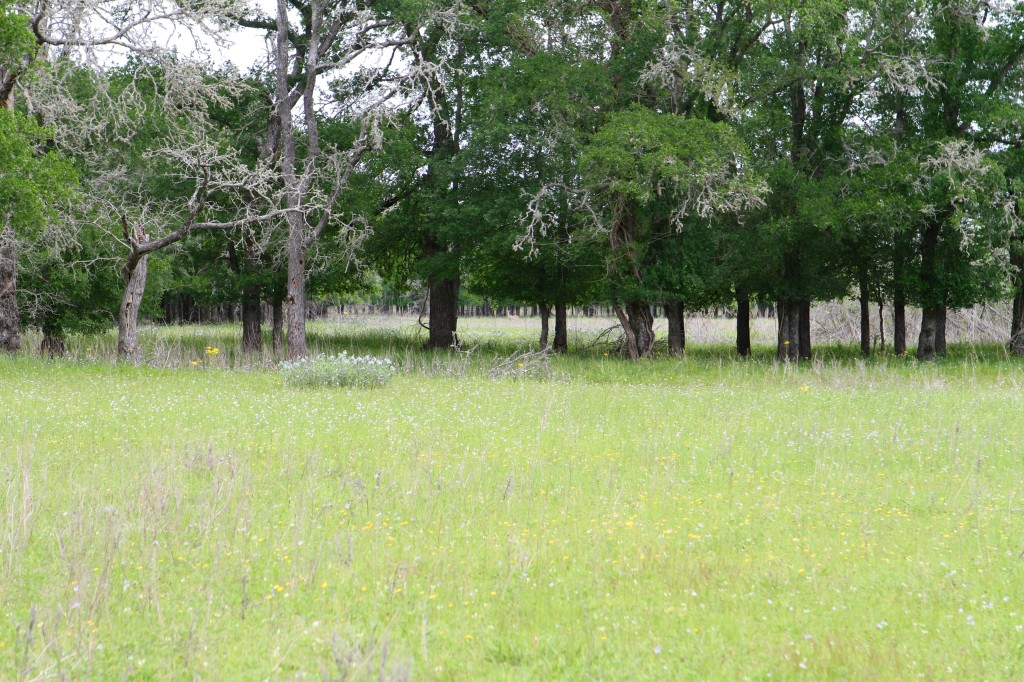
(696, 518)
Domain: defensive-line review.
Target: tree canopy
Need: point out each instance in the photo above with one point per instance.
(629, 153)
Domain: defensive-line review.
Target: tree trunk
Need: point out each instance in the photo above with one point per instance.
(926, 339)
(743, 324)
(252, 320)
(805, 330)
(794, 315)
(676, 327)
(295, 288)
(881, 325)
(865, 316)
(899, 323)
(940, 333)
(1017, 321)
(642, 321)
(561, 344)
(444, 313)
(638, 326)
(932, 340)
(134, 272)
(1017, 324)
(789, 331)
(10, 329)
(52, 345)
(545, 314)
(635, 317)
(277, 317)
(8, 81)
(295, 300)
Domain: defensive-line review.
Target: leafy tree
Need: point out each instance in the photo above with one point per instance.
(976, 58)
(32, 184)
(68, 287)
(529, 124)
(649, 173)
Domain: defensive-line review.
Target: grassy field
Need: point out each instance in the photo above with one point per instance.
(703, 518)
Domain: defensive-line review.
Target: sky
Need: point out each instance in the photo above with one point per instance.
(248, 47)
(242, 47)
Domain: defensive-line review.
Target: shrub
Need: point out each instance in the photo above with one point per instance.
(338, 370)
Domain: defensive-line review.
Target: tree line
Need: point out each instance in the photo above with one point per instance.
(682, 154)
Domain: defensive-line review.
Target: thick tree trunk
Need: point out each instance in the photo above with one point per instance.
(940, 333)
(1017, 321)
(52, 345)
(444, 313)
(277, 318)
(865, 316)
(1017, 324)
(743, 324)
(561, 344)
(252, 320)
(926, 339)
(444, 291)
(642, 322)
(676, 327)
(794, 315)
(789, 331)
(638, 326)
(545, 315)
(295, 300)
(899, 323)
(805, 330)
(134, 272)
(10, 329)
(295, 289)
(932, 340)
(635, 316)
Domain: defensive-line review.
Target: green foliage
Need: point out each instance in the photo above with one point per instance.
(16, 39)
(580, 152)
(32, 182)
(530, 121)
(647, 158)
(62, 285)
(664, 179)
(73, 286)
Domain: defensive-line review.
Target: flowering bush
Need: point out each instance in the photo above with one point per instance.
(338, 370)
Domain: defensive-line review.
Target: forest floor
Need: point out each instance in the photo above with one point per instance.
(697, 518)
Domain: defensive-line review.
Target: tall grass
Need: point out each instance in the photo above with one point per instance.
(695, 518)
